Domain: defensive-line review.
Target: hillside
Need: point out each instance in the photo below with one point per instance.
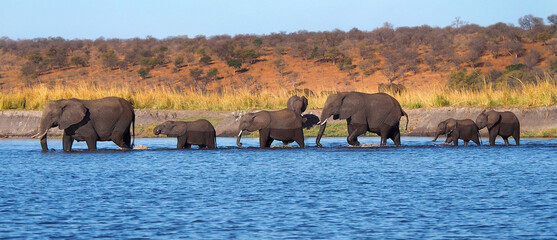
(421, 58)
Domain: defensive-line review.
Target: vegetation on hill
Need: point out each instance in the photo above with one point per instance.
(461, 64)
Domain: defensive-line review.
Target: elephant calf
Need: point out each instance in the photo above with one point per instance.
(459, 129)
(200, 132)
(504, 124)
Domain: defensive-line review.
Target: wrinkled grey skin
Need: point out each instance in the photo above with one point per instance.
(200, 132)
(282, 125)
(504, 124)
(297, 104)
(378, 113)
(464, 129)
(106, 119)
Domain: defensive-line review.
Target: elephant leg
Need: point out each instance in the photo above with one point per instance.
(386, 131)
(516, 136)
(396, 137)
(506, 141)
(202, 146)
(353, 135)
(476, 140)
(455, 137)
(466, 142)
(120, 139)
(91, 144)
(181, 142)
(492, 136)
(187, 146)
(264, 139)
(300, 138)
(67, 142)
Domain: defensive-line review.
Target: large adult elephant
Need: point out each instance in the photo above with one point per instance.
(282, 125)
(504, 124)
(377, 113)
(106, 119)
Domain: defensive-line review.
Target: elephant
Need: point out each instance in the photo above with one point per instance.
(378, 113)
(465, 129)
(200, 132)
(297, 104)
(283, 125)
(504, 124)
(105, 119)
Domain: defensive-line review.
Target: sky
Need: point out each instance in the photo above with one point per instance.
(78, 19)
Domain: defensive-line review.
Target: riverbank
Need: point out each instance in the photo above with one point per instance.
(535, 122)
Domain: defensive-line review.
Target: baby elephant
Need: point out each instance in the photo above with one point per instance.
(459, 129)
(200, 132)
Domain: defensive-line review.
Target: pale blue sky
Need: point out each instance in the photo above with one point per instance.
(25, 19)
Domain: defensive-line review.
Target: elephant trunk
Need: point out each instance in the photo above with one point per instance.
(239, 138)
(157, 130)
(43, 129)
(437, 136)
(322, 127)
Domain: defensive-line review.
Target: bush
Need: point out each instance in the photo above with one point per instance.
(235, 63)
(144, 72)
(345, 64)
(514, 67)
(553, 65)
(205, 60)
(462, 80)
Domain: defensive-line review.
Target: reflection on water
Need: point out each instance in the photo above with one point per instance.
(420, 190)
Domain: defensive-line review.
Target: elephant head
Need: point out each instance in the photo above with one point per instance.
(62, 113)
(253, 122)
(171, 128)
(297, 104)
(340, 106)
(445, 127)
(488, 119)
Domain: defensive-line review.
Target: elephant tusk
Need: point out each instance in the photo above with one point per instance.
(240, 134)
(39, 135)
(323, 123)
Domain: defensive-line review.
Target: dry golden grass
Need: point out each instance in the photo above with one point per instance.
(529, 95)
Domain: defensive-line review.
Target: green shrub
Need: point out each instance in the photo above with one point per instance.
(462, 80)
(515, 67)
(143, 72)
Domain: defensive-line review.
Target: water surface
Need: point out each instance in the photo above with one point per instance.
(420, 190)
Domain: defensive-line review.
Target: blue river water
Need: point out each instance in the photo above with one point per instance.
(418, 191)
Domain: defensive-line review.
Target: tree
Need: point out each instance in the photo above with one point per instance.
(109, 59)
(332, 54)
(205, 60)
(543, 37)
(368, 67)
(512, 47)
(280, 65)
(552, 45)
(458, 22)
(143, 72)
(212, 73)
(552, 19)
(196, 73)
(257, 42)
(79, 60)
(532, 58)
(235, 63)
(178, 61)
(528, 22)
(345, 64)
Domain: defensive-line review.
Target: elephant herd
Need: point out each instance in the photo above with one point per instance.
(110, 119)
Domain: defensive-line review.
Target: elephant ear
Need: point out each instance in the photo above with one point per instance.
(304, 103)
(178, 128)
(73, 112)
(450, 126)
(350, 104)
(492, 119)
(260, 120)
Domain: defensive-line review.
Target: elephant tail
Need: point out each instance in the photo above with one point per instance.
(405, 114)
(133, 132)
